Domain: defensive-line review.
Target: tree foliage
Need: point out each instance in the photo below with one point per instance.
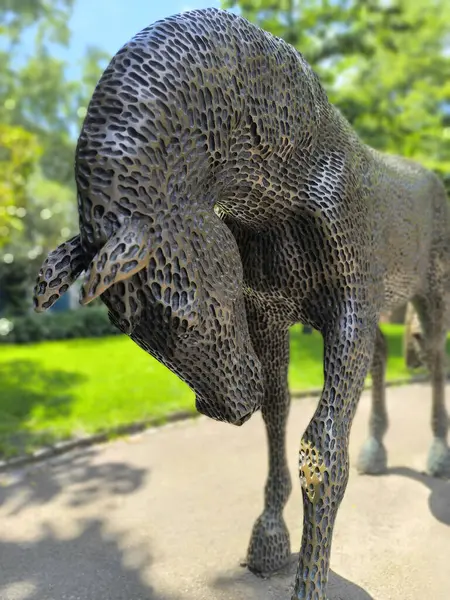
(19, 153)
(35, 92)
(384, 63)
(38, 102)
(41, 109)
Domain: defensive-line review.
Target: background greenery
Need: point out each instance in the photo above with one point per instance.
(41, 110)
(54, 390)
(384, 63)
(64, 325)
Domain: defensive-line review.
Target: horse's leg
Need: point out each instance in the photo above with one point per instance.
(372, 458)
(269, 547)
(324, 463)
(432, 314)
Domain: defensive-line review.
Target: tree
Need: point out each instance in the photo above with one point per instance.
(41, 111)
(19, 154)
(384, 63)
(49, 17)
(34, 91)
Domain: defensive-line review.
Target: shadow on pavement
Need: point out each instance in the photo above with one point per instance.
(243, 585)
(439, 500)
(91, 566)
(78, 560)
(76, 473)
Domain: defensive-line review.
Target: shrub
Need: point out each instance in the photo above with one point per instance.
(85, 323)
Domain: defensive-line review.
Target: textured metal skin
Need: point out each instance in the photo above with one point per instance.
(223, 199)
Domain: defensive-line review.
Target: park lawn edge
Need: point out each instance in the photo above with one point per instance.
(37, 441)
(120, 431)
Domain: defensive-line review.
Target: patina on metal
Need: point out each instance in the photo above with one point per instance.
(223, 199)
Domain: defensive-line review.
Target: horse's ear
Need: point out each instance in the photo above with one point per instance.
(60, 269)
(127, 252)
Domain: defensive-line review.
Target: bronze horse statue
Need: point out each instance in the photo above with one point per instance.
(222, 199)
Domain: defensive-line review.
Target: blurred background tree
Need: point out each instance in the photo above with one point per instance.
(384, 63)
(19, 156)
(41, 111)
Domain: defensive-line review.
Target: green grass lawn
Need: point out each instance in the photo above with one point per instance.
(54, 390)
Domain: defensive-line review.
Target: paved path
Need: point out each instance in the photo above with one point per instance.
(167, 515)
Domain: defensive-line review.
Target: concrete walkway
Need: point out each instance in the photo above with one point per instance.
(166, 515)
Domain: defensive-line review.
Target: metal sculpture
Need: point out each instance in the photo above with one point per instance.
(223, 199)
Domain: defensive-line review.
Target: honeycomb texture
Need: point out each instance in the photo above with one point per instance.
(222, 199)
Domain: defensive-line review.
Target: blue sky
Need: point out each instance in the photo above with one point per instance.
(110, 23)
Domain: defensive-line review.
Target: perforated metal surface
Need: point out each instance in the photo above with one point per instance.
(222, 199)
